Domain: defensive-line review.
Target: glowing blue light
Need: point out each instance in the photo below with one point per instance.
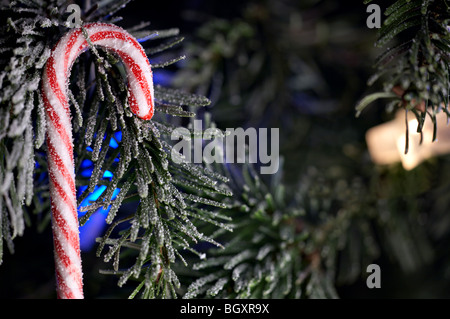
(86, 172)
(162, 77)
(107, 174)
(96, 224)
(92, 229)
(86, 163)
(93, 196)
(113, 143)
(148, 37)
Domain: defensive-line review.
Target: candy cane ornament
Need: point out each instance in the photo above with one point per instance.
(59, 135)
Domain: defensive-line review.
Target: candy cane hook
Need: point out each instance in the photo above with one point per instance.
(59, 135)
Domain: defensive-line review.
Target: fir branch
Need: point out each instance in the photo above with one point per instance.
(27, 35)
(417, 68)
(161, 228)
(302, 243)
(145, 155)
(263, 257)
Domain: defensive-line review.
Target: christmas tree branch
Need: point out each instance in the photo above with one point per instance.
(415, 69)
(129, 157)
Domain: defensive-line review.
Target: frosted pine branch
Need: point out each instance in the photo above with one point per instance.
(167, 195)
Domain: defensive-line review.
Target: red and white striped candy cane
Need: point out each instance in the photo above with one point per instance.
(59, 135)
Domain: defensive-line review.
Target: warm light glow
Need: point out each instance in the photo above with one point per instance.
(386, 142)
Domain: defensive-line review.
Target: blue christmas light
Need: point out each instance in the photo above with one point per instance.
(162, 77)
(96, 224)
(117, 137)
(147, 37)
